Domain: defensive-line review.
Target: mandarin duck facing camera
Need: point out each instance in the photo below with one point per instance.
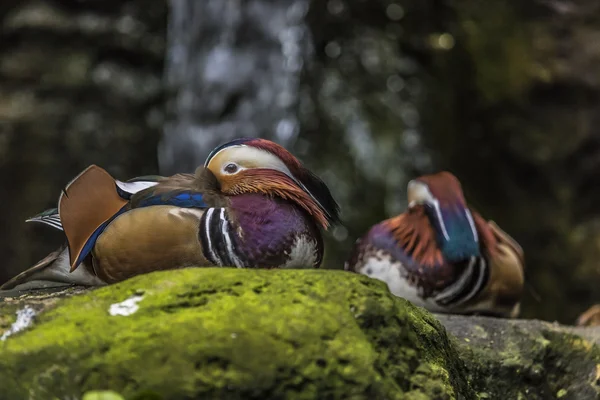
(252, 205)
(441, 255)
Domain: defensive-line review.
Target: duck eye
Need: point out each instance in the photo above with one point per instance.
(231, 168)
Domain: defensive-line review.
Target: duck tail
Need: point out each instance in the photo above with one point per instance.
(52, 271)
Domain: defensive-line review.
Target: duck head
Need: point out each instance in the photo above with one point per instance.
(251, 165)
(442, 198)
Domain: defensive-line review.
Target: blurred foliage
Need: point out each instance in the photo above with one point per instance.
(369, 94)
(80, 83)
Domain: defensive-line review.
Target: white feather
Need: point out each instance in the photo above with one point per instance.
(134, 187)
(303, 253)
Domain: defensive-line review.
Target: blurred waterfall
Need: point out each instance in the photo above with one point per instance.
(232, 70)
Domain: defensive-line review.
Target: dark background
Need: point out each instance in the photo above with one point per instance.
(369, 94)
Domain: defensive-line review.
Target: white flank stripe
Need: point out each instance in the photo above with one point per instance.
(225, 232)
(209, 214)
(477, 288)
(458, 286)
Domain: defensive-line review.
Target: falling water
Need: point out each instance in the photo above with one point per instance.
(232, 70)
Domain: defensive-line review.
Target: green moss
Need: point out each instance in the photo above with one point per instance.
(228, 333)
(102, 395)
(7, 317)
(39, 300)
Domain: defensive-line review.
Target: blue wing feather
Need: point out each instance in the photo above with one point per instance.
(89, 245)
(187, 199)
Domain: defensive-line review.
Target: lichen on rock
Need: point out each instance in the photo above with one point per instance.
(229, 333)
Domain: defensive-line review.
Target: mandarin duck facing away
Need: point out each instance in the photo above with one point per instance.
(443, 256)
(252, 205)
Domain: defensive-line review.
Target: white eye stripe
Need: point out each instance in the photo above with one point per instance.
(245, 155)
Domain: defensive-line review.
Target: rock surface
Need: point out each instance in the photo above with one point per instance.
(527, 359)
(216, 333)
(235, 334)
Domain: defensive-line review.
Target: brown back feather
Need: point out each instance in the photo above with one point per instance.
(502, 236)
(486, 236)
(202, 181)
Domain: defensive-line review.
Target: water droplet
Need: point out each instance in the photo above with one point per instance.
(406, 66)
(333, 49)
(335, 7)
(293, 64)
(297, 11)
(371, 59)
(285, 99)
(395, 83)
(423, 161)
(395, 12)
(444, 41)
(410, 116)
(127, 25)
(394, 30)
(414, 87)
(340, 233)
(411, 138)
(347, 64)
(285, 129)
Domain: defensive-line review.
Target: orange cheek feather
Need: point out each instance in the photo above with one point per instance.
(272, 183)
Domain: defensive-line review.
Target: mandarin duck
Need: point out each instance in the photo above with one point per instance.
(441, 255)
(252, 205)
(591, 317)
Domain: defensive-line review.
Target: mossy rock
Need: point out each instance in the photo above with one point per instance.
(235, 334)
(527, 359)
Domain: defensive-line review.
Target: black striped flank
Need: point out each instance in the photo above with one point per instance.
(204, 235)
(468, 285)
(218, 245)
(218, 237)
